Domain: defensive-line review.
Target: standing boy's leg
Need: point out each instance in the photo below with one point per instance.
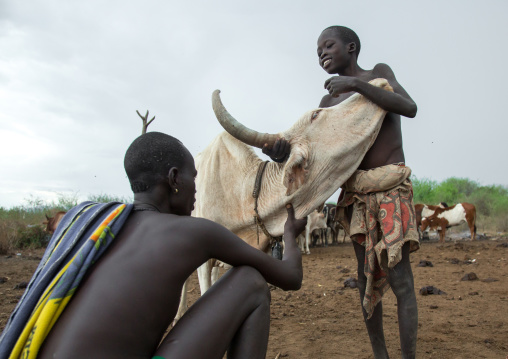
(401, 281)
(375, 323)
(233, 315)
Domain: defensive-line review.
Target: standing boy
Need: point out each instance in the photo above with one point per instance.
(375, 206)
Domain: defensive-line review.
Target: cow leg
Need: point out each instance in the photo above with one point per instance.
(301, 242)
(313, 239)
(375, 323)
(324, 232)
(205, 275)
(401, 281)
(215, 274)
(443, 234)
(307, 239)
(472, 227)
(182, 307)
(234, 314)
(307, 244)
(335, 235)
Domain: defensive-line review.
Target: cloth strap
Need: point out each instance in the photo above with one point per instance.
(255, 193)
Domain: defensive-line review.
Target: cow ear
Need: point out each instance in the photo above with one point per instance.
(295, 172)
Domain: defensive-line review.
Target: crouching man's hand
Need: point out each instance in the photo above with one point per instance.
(294, 226)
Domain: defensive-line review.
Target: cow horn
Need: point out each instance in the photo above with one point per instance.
(236, 129)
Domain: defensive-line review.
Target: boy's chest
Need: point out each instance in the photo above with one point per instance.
(332, 101)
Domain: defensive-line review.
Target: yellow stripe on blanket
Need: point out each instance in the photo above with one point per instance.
(60, 291)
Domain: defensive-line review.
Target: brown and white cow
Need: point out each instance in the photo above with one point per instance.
(451, 216)
(52, 222)
(426, 210)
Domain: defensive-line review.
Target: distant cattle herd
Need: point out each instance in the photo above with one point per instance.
(428, 217)
(323, 229)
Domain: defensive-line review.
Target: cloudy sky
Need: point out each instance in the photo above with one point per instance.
(73, 74)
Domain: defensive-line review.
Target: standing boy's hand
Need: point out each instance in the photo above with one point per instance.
(293, 225)
(279, 151)
(339, 84)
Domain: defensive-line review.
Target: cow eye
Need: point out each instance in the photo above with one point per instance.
(314, 115)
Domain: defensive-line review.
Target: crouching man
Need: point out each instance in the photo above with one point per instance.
(110, 281)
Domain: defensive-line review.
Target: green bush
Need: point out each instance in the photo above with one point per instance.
(32, 236)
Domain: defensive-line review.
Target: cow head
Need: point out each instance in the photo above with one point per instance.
(430, 222)
(48, 222)
(323, 155)
(52, 222)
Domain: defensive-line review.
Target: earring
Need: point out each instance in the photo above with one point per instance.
(176, 190)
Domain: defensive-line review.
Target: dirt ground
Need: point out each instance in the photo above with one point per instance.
(323, 319)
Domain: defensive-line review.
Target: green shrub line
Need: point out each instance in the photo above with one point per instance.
(21, 226)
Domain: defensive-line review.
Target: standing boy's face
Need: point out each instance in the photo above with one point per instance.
(332, 52)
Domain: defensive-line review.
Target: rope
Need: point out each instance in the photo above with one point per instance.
(255, 193)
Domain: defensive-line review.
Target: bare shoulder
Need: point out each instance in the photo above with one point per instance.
(383, 70)
(193, 225)
(326, 101)
(199, 228)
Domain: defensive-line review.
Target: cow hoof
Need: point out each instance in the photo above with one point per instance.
(307, 252)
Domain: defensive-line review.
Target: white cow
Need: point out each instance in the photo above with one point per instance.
(315, 220)
(327, 146)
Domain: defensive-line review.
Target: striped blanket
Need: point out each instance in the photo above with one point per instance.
(81, 238)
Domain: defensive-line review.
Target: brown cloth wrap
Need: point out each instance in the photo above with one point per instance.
(383, 211)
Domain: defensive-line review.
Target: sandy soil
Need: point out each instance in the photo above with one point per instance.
(324, 320)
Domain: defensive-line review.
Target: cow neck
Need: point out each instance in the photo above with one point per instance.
(255, 193)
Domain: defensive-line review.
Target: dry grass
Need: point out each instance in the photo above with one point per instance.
(16, 234)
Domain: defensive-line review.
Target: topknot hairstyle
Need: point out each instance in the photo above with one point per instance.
(149, 159)
(346, 35)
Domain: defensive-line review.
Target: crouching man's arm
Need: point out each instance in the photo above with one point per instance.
(220, 243)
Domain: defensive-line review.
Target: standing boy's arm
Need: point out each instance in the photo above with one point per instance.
(215, 241)
(398, 101)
